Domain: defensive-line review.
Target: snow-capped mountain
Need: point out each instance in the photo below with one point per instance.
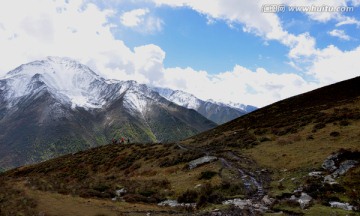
(215, 111)
(57, 105)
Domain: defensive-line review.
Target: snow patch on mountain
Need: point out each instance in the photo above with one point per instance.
(69, 80)
(190, 101)
(180, 98)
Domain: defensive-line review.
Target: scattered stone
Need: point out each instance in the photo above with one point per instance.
(197, 186)
(329, 163)
(344, 167)
(200, 161)
(299, 190)
(174, 203)
(247, 204)
(281, 180)
(340, 205)
(239, 203)
(304, 200)
(120, 192)
(292, 198)
(266, 200)
(293, 179)
(316, 174)
(329, 180)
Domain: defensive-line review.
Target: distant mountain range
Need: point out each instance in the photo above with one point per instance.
(58, 106)
(215, 111)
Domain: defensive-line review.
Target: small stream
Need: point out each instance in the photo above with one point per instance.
(248, 179)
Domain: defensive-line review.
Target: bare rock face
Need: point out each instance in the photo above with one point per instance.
(344, 167)
(329, 163)
(338, 164)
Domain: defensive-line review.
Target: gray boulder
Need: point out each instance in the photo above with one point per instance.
(329, 163)
(329, 180)
(304, 200)
(266, 200)
(200, 161)
(344, 167)
(316, 174)
(340, 205)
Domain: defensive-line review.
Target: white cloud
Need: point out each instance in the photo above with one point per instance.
(260, 87)
(75, 29)
(334, 65)
(82, 31)
(242, 85)
(348, 21)
(339, 34)
(133, 18)
(302, 47)
(141, 21)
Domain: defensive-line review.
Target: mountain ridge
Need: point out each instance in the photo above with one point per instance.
(217, 112)
(57, 106)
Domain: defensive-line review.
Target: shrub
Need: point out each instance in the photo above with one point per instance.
(88, 193)
(264, 139)
(344, 123)
(189, 196)
(101, 187)
(207, 175)
(284, 141)
(310, 137)
(133, 198)
(319, 126)
(334, 134)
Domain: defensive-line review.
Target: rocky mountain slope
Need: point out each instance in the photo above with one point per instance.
(215, 111)
(299, 156)
(58, 106)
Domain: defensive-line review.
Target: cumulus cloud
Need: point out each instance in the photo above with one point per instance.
(250, 15)
(334, 65)
(133, 18)
(258, 87)
(81, 30)
(73, 29)
(141, 20)
(339, 34)
(348, 21)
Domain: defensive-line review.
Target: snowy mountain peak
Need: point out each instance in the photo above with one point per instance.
(179, 97)
(68, 79)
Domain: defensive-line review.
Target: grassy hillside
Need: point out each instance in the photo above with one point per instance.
(268, 152)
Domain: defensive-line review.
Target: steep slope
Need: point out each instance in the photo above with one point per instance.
(215, 111)
(295, 112)
(273, 160)
(57, 106)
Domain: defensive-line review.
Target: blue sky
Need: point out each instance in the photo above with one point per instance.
(226, 50)
(189, 41)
